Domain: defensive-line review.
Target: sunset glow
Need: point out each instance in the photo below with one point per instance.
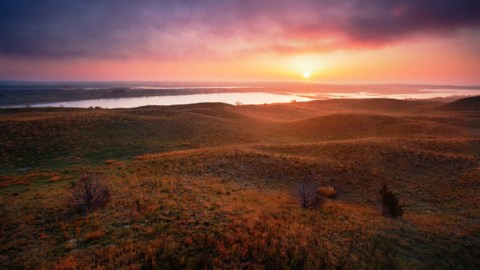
(240, 134)
(307, 74)
(381, 42)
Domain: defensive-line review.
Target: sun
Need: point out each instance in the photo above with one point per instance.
(307, 74)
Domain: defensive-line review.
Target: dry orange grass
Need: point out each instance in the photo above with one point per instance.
(328, 192)
(235, 224)
(12, 181)
(110, 161)
(25, 179)
(98, 234)
(215, 191)
(55, 178)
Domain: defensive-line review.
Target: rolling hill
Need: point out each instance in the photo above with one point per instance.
(210, 186)
(464, 104)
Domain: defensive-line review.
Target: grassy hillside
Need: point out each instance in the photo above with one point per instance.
(209, 186)
(464, 104)
(36, 137)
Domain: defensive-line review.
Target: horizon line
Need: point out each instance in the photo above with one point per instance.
(245, 82)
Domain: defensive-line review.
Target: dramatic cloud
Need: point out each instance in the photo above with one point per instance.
(168, 29)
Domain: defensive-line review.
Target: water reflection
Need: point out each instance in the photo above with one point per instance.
(253, 98)
(419, 94)
(230, 98)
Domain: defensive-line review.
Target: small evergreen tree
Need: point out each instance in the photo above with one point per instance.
(391, 206)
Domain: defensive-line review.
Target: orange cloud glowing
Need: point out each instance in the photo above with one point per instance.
(412, 41)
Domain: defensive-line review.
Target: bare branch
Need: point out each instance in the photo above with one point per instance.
(88, 193)
(307, 196)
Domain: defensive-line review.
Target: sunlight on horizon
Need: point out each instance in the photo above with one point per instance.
(307, 74)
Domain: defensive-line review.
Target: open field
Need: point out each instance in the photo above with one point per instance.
(208, 186)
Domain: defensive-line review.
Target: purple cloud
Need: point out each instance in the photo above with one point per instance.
(167, 29)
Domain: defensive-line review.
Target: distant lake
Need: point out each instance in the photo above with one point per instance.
(418, 94)
(249, 98)
(230, 98)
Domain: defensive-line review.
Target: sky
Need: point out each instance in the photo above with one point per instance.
(341, 41)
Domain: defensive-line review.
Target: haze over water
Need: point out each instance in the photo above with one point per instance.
(245, 98)
(230, 98)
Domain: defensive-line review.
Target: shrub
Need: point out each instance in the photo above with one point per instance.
(88, 193)
(307, 196)
(139, 206)
(328, 192)
(391, 206)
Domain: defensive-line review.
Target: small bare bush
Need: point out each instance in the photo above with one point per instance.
(307, 196)
(391, 206)
(139, 206)
(88, 193)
